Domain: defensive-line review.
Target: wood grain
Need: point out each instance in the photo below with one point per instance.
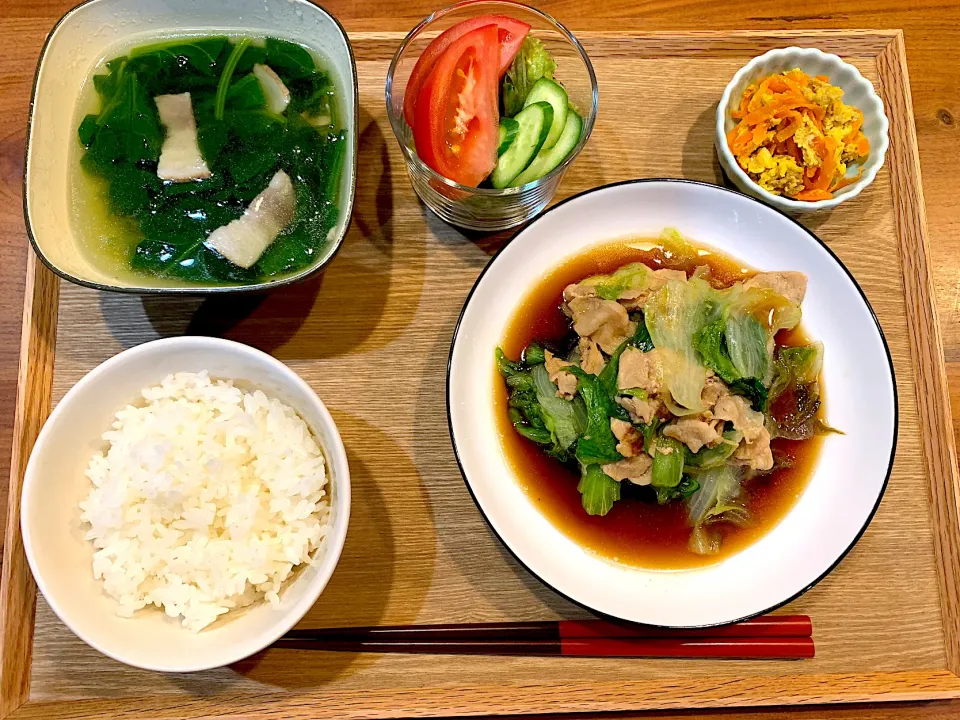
(932, 34)
(926, 339)
(34, 387)
(417, 546)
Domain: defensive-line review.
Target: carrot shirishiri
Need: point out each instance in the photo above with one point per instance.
(808, 133)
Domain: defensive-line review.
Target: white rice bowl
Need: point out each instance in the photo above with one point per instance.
(206, 498)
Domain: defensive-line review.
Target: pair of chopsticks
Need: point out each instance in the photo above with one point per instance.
(785, 637)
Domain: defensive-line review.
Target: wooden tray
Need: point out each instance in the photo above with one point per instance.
(372, 335)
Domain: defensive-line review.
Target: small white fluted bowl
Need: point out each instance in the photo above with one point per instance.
(857, 91)
(54, 484)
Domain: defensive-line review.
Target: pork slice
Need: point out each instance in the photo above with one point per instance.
(636, 469)
(792, 285)
(566, 382)
(276, 93)
(244, 240)
(591, 359)
(180, 157)
(692, 432)
(736, 409)
(638, 369)
(641, 411)
(755, 454)
(604, 321)
(628, 439)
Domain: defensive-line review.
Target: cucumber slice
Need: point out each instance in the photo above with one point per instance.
(547, 160)
(508, 131)
(533, 123)
(547, 90)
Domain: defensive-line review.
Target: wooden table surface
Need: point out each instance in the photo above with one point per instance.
(932, 32)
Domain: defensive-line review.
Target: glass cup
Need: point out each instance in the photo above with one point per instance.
(488, 209)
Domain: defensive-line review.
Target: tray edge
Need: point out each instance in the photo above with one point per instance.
(34, 394)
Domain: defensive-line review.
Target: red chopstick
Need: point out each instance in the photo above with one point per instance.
(783, 637)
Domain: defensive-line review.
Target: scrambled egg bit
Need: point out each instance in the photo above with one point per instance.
(796, 137)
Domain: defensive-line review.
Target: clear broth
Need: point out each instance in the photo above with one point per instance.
(108, 240)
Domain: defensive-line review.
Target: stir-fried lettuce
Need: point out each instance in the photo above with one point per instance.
(699, 333)
(717, 500)
(598, 491)
(795, 393)
(597, 445)
(673, 315)
(565, 419)
(667, 463)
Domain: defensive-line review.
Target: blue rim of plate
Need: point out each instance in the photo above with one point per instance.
(863, 297)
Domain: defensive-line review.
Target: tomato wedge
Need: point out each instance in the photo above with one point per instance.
(510, 35)
(457, 115)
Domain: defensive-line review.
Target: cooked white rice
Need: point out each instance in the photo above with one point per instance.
(206, 499)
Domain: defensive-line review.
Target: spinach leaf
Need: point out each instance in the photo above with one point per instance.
(312, 95)
(228, 69)
(199, 55)
(598, 492)
(130, 116)
(246, 94)
(289, 60)
(87, 129)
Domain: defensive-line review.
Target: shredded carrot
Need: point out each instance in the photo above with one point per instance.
(812, 195)
(848, 180)
(770, 114)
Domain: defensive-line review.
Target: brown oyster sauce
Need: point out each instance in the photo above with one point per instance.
(635, 532)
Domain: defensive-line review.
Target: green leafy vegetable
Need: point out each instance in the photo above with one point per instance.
(598, 444)
(747, 343)
(635, 276)
(87, 129)
(242, 143)
(598, 492)
(800, 365)
(687, 487)
(533, 354)
(752, 389)
(710, 343)
(715, 501)
(667, 463)
(641, 338)
(197, 55)
(224, 85)
(560, 416)
(532, 62)
(711, 457)
(673, 315)
(288, 59)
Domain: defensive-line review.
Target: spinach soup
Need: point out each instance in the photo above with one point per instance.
(208, 161)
